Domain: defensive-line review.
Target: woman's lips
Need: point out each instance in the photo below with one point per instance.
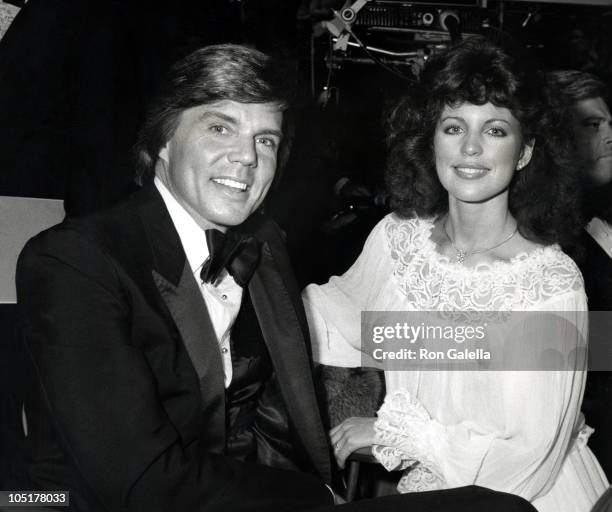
(470, 172)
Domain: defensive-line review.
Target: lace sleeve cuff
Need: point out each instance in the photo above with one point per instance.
(402, 434)
(392, 459)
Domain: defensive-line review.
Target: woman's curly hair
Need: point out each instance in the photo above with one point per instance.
(544, 196)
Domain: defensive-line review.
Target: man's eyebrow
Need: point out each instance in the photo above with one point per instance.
(592, 118)
(219, 115)
(232, 120)
(271, 131)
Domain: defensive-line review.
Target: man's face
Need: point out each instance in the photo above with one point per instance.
(221, 160)
(593, 134)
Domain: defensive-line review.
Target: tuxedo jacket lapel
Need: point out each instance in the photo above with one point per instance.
(188, 310)
(286, 344)
(180, 293)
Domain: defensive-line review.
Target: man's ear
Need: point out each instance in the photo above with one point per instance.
(526, 154)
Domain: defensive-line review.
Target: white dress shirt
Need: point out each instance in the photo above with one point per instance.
(224, 297)
(601, 231)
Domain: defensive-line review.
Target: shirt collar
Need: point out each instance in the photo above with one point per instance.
(193, 237)
(601, 231)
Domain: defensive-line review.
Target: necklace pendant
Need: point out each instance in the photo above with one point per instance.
(462, 255)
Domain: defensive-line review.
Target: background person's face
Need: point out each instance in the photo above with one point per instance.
(593, 136)
(221, 160)
(477, 149)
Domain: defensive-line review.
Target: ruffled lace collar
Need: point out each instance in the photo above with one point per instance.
(431, 281)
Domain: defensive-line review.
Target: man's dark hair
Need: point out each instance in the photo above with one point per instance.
(572, 86)
(542, 195)
(209, 74)
(575, 85)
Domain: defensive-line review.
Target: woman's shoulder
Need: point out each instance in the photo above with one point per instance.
(403, 233)
(399, 221)
(550, 260)
(550, 272)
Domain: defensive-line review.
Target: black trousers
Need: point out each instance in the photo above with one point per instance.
(461, 499)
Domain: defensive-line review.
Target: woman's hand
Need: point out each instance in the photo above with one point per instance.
(350, 435)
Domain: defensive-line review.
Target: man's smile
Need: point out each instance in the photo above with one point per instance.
(231, 183)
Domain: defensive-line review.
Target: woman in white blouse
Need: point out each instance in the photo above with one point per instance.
(482, 184)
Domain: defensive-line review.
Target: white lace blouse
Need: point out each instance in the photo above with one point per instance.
(506, 430)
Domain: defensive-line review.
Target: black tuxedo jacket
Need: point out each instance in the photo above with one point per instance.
(596, 268)
(112, 322)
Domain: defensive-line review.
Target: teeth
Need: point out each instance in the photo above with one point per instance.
(471, 170)
(231, 183)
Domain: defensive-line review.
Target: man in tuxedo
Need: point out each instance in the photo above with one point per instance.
(585, 96)
(166, 361)
(591, 123)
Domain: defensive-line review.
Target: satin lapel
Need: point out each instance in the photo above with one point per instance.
(188, 310)
(179, 291)
(285, 341)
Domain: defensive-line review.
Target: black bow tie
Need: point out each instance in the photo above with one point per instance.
(237, 253)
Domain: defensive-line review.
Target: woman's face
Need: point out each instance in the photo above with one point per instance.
(477, 150)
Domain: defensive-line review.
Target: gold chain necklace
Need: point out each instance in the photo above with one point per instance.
(463, 255)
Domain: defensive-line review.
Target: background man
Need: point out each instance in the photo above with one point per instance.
(166, 361)
(585, 95)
